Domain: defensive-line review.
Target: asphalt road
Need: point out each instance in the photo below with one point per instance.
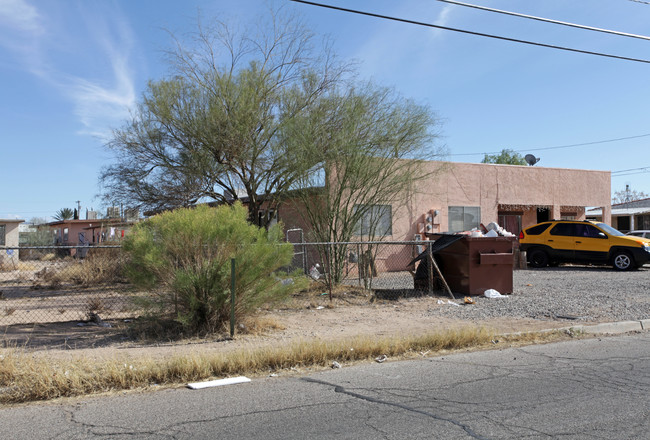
(581, 389)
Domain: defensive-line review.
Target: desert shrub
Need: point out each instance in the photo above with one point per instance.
(185, 257)
(101, 266)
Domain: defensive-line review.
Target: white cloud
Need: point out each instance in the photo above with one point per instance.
(442, 20)
(18, 15)
(393, 54)
(99, 105)
(101, 97)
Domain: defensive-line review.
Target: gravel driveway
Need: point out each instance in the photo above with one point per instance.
(575, 293)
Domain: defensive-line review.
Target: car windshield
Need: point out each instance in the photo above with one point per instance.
(610, 230)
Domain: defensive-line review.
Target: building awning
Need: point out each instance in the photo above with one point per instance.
(620, 211)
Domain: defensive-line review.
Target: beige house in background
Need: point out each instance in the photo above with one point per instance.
(9, 239)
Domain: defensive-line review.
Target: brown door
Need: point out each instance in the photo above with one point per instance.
(510, 222)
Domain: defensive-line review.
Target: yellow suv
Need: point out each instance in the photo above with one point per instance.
(566, 241)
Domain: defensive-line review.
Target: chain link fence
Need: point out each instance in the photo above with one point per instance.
(389, 269)
(65, 283)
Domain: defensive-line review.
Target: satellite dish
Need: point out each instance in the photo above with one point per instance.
(531, 160)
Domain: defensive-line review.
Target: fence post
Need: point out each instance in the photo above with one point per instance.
(430, 266)
(328, 273)
(232, 297)
(359, 263)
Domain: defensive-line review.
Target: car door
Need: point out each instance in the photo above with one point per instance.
(561, 241)
(591, 244)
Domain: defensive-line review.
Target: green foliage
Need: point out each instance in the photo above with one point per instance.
(212, 131)
(185, 256)
(37, 237)
(64, 214)
(364, 147)
(506, 157)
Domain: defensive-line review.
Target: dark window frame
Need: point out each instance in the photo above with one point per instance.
(364, 226)
(453, 221)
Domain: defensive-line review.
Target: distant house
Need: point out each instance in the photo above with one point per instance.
(9, 239)
(627, 216)
(90, 231)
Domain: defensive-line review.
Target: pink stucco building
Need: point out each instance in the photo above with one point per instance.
(78, 232)
(461, 196)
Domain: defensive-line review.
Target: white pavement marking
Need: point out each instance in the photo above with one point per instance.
(218, 382)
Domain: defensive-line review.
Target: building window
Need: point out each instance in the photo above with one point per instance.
(642, 222)
(267, 217)
(464, 218)
(3, 230)
(377, 221)
(65, 235)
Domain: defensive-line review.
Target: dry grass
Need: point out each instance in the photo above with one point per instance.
(318, 295)
(24, 377)
(101, 266)
(259, 325)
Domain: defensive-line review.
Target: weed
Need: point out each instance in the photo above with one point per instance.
(9, 311)
(94, 305)
(101, 266)
(33, 378)
(256, 325)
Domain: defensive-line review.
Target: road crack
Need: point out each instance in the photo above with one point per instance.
(342, 390)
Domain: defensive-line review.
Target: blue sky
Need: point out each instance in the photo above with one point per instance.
(70, 71)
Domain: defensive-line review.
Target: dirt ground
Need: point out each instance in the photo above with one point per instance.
(316, 320)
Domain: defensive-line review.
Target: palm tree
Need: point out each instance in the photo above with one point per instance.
(64, 214)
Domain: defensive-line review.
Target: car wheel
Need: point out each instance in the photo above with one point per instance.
(537, 258)
(622, 261)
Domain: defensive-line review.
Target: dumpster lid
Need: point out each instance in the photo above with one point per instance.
(438, 245)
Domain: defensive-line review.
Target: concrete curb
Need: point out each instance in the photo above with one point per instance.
(609, 328)
(614, 327)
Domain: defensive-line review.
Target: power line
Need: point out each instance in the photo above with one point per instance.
(640, 1)
(630, 174)
(479, 34)
(639, 170)
(559, 146)
(547, 20)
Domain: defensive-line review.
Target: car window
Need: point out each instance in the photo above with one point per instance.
(538, 229)
(609, 230)
(565, 229)
(636, 234)
(591, 231)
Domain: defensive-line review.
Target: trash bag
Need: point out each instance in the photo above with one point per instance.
(491, 293)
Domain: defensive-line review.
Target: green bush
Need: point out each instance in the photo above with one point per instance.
(185, 257)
